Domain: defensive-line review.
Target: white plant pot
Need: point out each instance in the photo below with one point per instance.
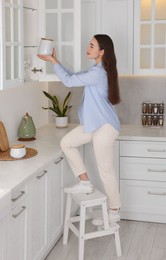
(61, 121)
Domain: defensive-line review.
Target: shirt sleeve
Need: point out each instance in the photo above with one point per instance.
(89, 77)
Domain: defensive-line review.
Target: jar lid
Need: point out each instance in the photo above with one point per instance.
(18, 146)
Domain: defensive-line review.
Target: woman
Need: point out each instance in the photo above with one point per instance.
(98, 119)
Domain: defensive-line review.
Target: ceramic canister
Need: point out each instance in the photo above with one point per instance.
(45, 46)
(18, 151)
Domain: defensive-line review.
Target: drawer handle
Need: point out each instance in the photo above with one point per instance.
(157, 193)
(19, 196)
(58, 160)
(158, 151)
(151, 170)
(16, 215)
(40, 176)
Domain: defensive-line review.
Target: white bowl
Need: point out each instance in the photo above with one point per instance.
(17, 151)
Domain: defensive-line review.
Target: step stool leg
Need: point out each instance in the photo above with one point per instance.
(105, 215)
(67, 217)
(117, 243)
(81, 233)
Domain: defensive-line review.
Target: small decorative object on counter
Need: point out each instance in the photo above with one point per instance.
(152, 114)
(61, 110)
(27, 129)
(18, 151)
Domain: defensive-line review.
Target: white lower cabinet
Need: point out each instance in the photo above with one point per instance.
(45, 210)
(16, 233)
(16, 226)
(54, 201)
(37, 237)
(3, 241)
(143, 180)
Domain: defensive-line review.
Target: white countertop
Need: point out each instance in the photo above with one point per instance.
(15, 173)
(141, 133)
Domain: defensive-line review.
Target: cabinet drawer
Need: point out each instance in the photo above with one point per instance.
(143, 149)
(143, 200)
(142, 169)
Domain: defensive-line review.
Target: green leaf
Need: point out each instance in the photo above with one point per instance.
(61, 112)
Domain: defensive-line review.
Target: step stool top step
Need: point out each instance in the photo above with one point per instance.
(96, 195)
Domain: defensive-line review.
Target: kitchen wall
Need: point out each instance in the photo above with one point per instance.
(14, 103)
(134, 90)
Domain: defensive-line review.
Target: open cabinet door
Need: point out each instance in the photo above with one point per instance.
(11, 43)
(61, 21)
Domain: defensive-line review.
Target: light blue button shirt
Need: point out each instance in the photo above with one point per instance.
(95, 110)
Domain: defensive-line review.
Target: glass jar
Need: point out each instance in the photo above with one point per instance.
(149, 120)
(161, 121)
(143, 120)
(155, 120)
(144, 108)
(149, 108)
(155, 109)
(161, 108)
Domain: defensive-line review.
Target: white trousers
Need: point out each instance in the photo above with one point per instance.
(103, 142)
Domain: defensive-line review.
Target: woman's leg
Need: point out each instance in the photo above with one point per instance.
(103, 142)
(69, 145)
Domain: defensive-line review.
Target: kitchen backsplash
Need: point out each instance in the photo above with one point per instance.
(14, 103)
(134, 91)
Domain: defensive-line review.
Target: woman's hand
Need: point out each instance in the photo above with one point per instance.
(50, 58)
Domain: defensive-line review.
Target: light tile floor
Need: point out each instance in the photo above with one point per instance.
(139, 241)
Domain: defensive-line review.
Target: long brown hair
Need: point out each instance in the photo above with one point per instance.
(109, 63)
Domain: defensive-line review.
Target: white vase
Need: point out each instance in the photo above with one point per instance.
(61, 121)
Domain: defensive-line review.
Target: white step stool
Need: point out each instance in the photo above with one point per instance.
(88, 201)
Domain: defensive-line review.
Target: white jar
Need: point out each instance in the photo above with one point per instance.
(45, 46)
(17, 151)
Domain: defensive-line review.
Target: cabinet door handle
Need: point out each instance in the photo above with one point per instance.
(19, 196)
(157, 193)
(40, 176)
(151, 170)
(58, 160)
(156, 150)
(17, 214)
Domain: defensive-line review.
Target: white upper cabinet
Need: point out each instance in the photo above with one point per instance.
(11, 43)
(112, 17)
(150, 37)
(117, 22)
(60, 20)
(31, 39)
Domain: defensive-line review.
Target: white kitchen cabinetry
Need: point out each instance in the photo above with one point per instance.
(114, 18)
(37, 216)
(60, 20)
(150, 37)
(46, 210)
(55, 200)
(3, 238)
(143, 180)
(91, 164)
(16, 226)
(11, 43)
(30, 39)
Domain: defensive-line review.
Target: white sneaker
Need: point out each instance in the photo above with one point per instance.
(80, 188)
(112, 216)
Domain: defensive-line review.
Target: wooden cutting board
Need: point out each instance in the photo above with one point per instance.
(4, 141)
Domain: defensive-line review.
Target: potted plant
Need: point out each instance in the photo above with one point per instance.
(61, 110)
